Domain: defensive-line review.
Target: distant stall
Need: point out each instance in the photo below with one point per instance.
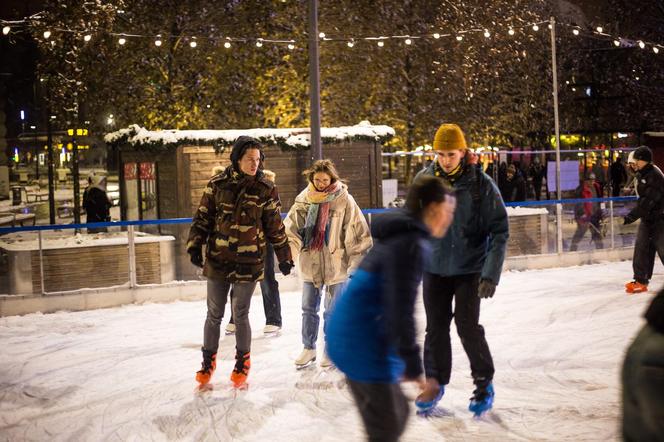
(163, 173)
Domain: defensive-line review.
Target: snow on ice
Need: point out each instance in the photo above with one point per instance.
(558, 337)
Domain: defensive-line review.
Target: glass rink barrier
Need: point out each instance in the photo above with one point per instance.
(63, 259)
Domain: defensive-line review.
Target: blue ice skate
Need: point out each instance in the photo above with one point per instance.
(424, 408)
(482, 400)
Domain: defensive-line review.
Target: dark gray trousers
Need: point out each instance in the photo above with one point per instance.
(383, 407)
(217, 294)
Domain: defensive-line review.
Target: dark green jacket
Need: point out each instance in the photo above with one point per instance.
(236, 216)
(643, 379)
(477, 238)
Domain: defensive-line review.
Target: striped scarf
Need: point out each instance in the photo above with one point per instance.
(317, 221)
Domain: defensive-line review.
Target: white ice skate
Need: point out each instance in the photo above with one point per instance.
(306, 358)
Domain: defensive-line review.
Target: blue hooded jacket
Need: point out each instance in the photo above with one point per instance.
(371, 332)
(477, 239)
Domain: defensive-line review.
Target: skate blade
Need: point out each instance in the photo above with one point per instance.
(201, 388)
(303, 366)
(272, 334)
(240, 386)
(227, 333)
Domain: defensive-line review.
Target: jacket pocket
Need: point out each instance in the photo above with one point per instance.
(334, 233)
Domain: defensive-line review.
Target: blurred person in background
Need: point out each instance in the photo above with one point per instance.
(588, 215)
(96, 203)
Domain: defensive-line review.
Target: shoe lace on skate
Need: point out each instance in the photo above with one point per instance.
(479, 394)
(240, 366)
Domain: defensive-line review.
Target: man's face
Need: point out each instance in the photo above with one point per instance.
(439, 216)
(640, 164)
(448, 160)
(250, 161)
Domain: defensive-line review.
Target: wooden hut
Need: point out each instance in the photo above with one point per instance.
(163, 173)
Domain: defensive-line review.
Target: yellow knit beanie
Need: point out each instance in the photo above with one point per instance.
(449, 137)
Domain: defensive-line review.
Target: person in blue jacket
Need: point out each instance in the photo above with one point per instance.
(465, 267)
(371, 333)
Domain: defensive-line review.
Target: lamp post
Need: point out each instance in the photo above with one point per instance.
(74, 159)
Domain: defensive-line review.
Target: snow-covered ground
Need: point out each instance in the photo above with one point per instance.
(558, 338)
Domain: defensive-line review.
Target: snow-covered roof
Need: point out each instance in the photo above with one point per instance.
(654, 134)
(288, 139)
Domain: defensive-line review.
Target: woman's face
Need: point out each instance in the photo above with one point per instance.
(321, 181)
(439, 216)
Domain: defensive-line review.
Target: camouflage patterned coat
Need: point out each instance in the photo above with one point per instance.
(237, 214)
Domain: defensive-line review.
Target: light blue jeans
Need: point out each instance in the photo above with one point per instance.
(310, 306)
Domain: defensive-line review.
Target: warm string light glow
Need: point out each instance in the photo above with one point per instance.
(350, 41)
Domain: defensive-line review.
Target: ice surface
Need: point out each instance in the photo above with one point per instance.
(557, 336)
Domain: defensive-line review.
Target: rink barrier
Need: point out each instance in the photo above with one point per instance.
(131, 225)
(367, 212)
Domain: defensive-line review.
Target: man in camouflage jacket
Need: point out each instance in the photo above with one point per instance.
(238, 213)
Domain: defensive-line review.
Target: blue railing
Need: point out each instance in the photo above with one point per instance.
(152, 222)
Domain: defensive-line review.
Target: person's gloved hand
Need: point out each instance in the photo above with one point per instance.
(196, 257)
(486, 289)
(286, 267)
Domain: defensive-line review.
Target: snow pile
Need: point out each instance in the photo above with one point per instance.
(522, 211)
(557, 337)
(29, 241)
(299, 138)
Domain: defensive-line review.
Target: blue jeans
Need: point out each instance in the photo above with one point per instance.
(310, 305)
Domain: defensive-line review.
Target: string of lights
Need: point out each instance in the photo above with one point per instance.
(9, 26)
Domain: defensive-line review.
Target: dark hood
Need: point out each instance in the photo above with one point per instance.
(396, 222)
(655, 313)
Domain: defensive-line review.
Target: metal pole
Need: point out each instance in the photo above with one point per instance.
(51, 186)
(554, 76)
(132, 256)
(613, 238)
(77, 185)
(314, 78)
(41, 263)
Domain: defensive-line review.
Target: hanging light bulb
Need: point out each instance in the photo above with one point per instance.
(87, 37)
(259, 43)
(321, 35)
(511, 31)
(535, 27)
(616, 42)
(227, 44)
(5, 30)
(575, 31)
(157, 42)
(381, 44)
(655, 49)
(642, 44)
(459, 37)
(436, 35)
(291, 46)
(122, 40)
(408, 41)
(193, 43)
(487, 34)
(47, 34)
(600, 29)
(350, 44)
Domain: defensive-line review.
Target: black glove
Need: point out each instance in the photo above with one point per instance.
(629, 219)
(486, 289)
(286, 267)
(196, 257)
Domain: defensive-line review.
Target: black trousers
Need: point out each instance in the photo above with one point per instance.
(438, 295)
(649, 241)
(383, 407)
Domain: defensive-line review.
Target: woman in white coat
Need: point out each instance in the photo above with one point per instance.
(328, 236)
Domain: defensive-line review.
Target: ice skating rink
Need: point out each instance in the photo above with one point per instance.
(557, 336)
